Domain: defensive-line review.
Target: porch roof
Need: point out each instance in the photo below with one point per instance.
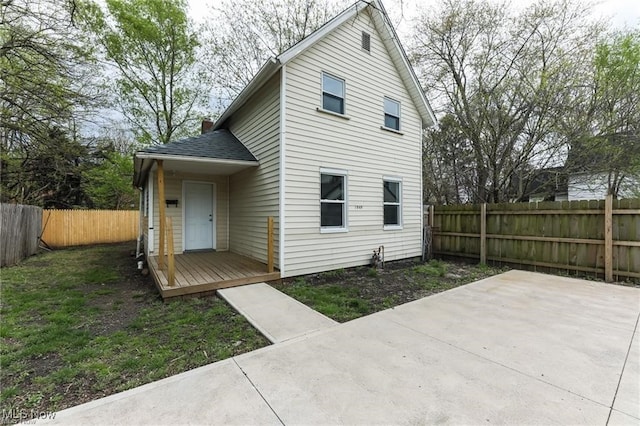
(197, 154)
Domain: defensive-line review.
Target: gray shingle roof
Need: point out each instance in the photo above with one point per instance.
(221, 144)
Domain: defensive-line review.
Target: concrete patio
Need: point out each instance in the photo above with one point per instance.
(517, 348)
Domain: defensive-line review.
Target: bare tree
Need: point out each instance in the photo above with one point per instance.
(605, 154)
(245, 33)
(45, 66)
(448, 170)
(46, 90)
(505, 77)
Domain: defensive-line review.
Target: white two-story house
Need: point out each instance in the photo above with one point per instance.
(326, 140)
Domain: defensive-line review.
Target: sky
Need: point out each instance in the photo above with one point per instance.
(622, 12)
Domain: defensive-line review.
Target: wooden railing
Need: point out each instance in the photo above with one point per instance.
(170, 253)
(270, 244)
(171, 262)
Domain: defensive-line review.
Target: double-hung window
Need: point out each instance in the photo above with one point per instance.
(332, 94)
(391, 114)
(392, 202)
(333, 200)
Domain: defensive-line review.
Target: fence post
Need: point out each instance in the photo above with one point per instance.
(161, 206)
(608, 238)
(431, 215)
(270, 244)
(483, 233)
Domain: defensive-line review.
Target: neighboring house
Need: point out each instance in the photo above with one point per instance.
(326, 139)
(594, 186)
(548, 184)
(590, 174)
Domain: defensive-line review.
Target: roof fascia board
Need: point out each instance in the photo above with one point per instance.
(381, 20)
(141, 170)
(143, 163)
(290, 54)
(173, 157)
(273, 65)
(406, 70)
(260, 79)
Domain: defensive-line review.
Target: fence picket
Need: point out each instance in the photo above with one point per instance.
(568, 235)
(64, 228)
(20, 230)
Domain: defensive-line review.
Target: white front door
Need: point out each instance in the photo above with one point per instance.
(199, 216)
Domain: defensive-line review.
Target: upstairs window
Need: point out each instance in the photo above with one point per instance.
(392, 202)
(332, 94)
(391, 114)
(333, 200)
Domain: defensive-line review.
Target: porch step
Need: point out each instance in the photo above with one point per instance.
(277, 316)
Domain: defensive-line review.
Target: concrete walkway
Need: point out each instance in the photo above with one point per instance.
(517, 348)
(277, 316)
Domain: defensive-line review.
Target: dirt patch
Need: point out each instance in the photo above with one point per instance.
(345, 294)
(121, 300)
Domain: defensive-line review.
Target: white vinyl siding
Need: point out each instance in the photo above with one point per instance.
(254, 192)
(594, 186)
(359, 145)
(173, 191)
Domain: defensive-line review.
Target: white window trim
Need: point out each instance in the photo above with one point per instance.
(389, 129)
(344, 95)
(399, 116)
(335, 229)
(400, 203)
(335, 114)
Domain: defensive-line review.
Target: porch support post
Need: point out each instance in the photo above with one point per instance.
(161, 209)
(270, 244)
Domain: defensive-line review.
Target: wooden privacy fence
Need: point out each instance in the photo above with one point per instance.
(597, 236)
(20, 229)
(63, 228)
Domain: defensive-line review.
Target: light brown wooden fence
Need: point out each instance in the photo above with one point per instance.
(64, 228)
(20, 230)
(601, 237)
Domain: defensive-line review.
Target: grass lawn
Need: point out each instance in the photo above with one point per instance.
(82, 323)
(346, 294)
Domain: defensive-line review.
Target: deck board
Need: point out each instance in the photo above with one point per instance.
(206, 271)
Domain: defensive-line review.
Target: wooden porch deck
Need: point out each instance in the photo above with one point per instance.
(206, 271)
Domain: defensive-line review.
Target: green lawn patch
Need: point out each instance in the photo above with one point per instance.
(82, 323)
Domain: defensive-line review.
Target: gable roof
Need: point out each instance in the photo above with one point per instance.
(389, 38)
(219, 146)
